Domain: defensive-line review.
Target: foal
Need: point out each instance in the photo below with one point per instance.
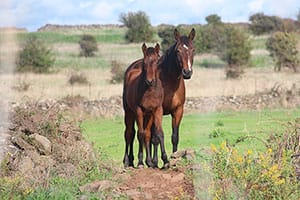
(142, 102)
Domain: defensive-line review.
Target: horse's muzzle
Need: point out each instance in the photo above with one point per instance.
(151, 82)
(187, 74)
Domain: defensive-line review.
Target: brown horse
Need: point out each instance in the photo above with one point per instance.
(142, 102)
(176, 65)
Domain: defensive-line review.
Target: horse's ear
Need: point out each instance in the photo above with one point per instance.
(176, 34)
(192, 34)
(144, 48)
(157, 48)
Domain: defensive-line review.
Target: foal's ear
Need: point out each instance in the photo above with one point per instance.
(157, 48)
(192, 34)
(176, 34)
(144, 48)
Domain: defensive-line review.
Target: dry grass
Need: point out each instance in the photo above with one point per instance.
(204, 82)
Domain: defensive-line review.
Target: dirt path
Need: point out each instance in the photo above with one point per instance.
(151, 183)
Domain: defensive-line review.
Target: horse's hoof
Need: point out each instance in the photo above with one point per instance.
(140, 166)
(166, 166)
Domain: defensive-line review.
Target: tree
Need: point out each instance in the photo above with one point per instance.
(88, 45)
(139, 26)
(167, 35)
(35, 56)
(261, 23)
(235, 51)
(283, 49)
(213, 19)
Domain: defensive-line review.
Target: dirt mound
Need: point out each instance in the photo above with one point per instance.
(44, 144)
(157, 184)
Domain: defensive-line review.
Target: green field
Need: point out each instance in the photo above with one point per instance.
(198, 131)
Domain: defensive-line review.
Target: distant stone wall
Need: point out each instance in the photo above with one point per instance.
(84, 27)
(277, 97)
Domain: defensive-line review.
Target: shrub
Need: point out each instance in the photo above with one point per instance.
(283, 49)
(35, 56)
(267, 175)
(261, 23)
(167, 35)
(117, 72)
(139, 26)
(213, 19)
(79, 78)
(88, 45)
(235, 51)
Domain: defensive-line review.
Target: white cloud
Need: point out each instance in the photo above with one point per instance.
(35, 13)
(256, 5)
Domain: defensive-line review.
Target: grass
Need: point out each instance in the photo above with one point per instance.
(195, 130)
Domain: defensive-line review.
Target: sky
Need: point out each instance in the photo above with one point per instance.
(32, 14)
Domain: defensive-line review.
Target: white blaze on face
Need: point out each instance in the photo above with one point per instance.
(189, 62)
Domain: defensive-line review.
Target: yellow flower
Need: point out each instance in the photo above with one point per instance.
(213, 148)
(280, 182)
(249, 152)
(270, 150)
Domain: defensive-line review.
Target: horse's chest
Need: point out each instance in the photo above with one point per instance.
(151, 100)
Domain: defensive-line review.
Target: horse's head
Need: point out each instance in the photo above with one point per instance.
(150, 65)
(185, 52)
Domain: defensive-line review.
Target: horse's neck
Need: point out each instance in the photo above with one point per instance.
(170, 68)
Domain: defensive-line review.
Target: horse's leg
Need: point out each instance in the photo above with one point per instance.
(140, 124)
(160, 134)
(155, 142)
(176, 119)
(129, 138)
(147, 140)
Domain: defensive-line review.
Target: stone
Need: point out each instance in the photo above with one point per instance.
(178, 154)
(21, 143)
(26, 165)
(96, 186)
(42, 143)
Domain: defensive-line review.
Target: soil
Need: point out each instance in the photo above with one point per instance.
(151, 183)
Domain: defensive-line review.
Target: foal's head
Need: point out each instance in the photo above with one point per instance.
(150, 66)
(185, 52)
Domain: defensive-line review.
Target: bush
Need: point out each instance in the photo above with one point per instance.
(234, 49)
(261, 23)
(167, 35)
(139, 27)
(117, 72)
(35, 56)
(271, 174)
(79, 78)
(283, 49)
(88, 45)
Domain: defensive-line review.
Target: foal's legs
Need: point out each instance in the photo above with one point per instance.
(160, 135)
(140, 123)
(129, 138)
(147, 140)
(176, 119)
(155, 142)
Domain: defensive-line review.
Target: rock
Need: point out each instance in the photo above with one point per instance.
(96, 186)
(178, 154)
(21, 143)
(42, 143)
(190, 154)
(173, 162)
(26, 165)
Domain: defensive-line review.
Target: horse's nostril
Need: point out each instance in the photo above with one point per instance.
(150, 82)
